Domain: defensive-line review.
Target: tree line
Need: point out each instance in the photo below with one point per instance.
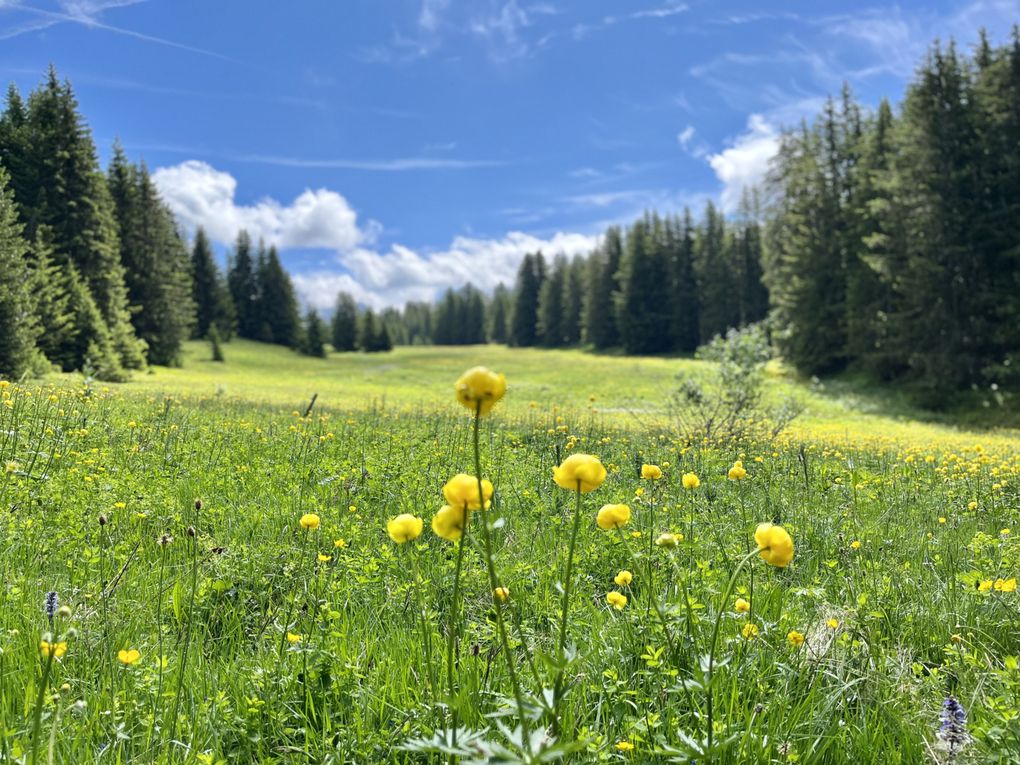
(662, 284)
(892, 239)
(96, 276)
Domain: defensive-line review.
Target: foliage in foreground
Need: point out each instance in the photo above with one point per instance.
(225, 630)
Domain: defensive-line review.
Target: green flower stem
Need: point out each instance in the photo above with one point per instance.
(453, 632)
(715, 639)
(40, 698)
(558, 689)
(494, 585)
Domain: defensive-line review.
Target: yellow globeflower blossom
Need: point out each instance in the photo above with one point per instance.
(737, 472)
(323, 558)
(985, 585)
(690, 481)
(462, 490)
(56, 650)
(774, 544)
(129, 656)
(741, 606)
(617, 600)
(449, 522)
(502, 594)
(480, 386)
(624, 746)
(310, 521)
(794, 638)
(11, 467)
(653, 472)
(293, 637)
(749, 631)
(623, 578)
(404, 528)
(580, 471)
(1005, 585)
(613, 517)
(832, 624)
(855, 545)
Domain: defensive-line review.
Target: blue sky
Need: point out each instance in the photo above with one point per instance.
(395, 147)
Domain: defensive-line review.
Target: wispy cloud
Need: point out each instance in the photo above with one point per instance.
(87, 13)
(381, 165)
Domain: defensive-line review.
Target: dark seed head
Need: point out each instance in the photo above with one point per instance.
(198, 504)
(103, 520)
(191, 531)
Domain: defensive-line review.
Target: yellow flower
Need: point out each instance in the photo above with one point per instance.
(690, 481)
(56, 650)
(310, 521)
(624, 746)
(749, 631)
(617, 600)
(855, 545)
(1005, 585)
(737, 472)
(339, 543)
(12, 467)
(972, 505)
(832, 624)
(449, 522)
(623, 578)
(774, 544)
(669, 540)
(794, 638)
(653, 472)
(613, 517)
(741, 606)
(462, 490)
(323, 558)
(404, 528)
(293, 637)
(480, 386)
(580, 471)
(128, 657)
(985, 585)
(502, 594)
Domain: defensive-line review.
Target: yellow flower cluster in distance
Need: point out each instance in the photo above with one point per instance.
(462, 490)
(775, 545)
(652, 472)
(310, 522)
(404, 528)
(479, 389)
(623, 578)
(613, 517)
(580, 471)
(502, 594)
(737, 472)
(690, 481)
(796, 639)
(667, 539)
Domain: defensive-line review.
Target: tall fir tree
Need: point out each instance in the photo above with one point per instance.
(550, 304)
(718, 292)
(243, 287)
(573, 301)
(213, 305)
(644, 307)
(277, 302)
(686, 308)
(18, 325)
(499, 314)
(314, 335)
(59, 184)
(344, 327)
(157, 270)
(524, 319)
(600, 321)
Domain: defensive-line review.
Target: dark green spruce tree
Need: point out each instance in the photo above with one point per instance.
(524, 318)
(243, 287)
(277, 302)
(345, 324)
(600, 321)
(18, 325)
(213, 305)
(314, 335)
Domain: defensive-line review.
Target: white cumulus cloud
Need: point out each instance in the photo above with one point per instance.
(201, 195)
(746, 161)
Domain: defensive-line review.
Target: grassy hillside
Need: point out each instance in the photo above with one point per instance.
(628, 391)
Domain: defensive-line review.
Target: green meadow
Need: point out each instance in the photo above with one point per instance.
(203, 622)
